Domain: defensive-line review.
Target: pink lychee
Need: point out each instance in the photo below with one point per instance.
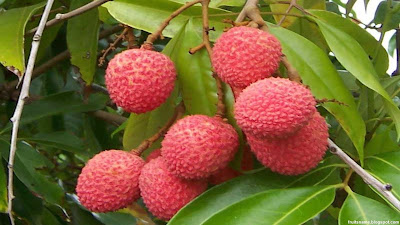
(244, 55)
(140, 80)
(274, 108)
(297, 154)
(110, 181)
(164, 193)
(197, 146)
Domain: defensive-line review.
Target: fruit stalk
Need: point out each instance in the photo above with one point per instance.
(15, 119)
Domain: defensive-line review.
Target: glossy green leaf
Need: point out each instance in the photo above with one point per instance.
(382, 141)
(58, 140)
(147, 15)
(64, 102)
(317, 71)
(3, 190)
(82, 36)
(142, 126)
(27, 160)
(13, 23)
(233, 191)
(199, 91)
(360, 208)
(351, 55)
(288, 206)
(365, 39)
(386, 168)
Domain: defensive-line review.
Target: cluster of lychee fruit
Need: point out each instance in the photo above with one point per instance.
(278, 116)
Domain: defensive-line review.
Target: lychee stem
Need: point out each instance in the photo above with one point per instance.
(112, 46)
(179, 110)
(158, 33)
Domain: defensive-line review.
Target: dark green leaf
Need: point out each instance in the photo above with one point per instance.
(13, 23)
(115, 218)
(392, 44)
(59, 140)
(26, 160)
(64, 102)
(288, 206)
(351, 55)
(3, 189)
(386, 168)
(365, 39)
(199, 91)
(349, 6)
(147, 15)
(388, 16)
(226, 194)
(317, 71)
(82, 36)
(382, 141)
(360, 208)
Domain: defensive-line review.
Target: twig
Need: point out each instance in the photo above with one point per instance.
(112, 46)
(60, 9)
(291, 71)
(252, 11)
(130, 38)
(109, 117)
(292, 4)
(179, 110)
(384, 189)
(15, 119)
(61, 17)
(158, 33)
(397, 71)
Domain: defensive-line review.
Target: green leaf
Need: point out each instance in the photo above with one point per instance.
(233, 191)
(360, 208)
(115, 218)
(147, 15)
(290, 206)
(381, 142)
(59, 140)
(13, 23)
(27, 160)
(388, 16)
(351, 55)
(82, 36)
(64, 102)
(317, 71)
(3, 190)
(142, 126)
(363, 37)
(349, 6)
(392, 44)
(386, 168)
(199, 91)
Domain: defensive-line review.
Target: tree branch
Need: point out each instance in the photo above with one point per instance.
(384, 189)
(158, 33)
(179, 110)
(61, 17)
(15, 119)
(109, 117)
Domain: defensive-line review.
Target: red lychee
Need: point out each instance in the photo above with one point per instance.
(164, 193)
(228, 173)
(140, 80)
(297, 154)
(244, 55)
(110, 181)
(153, 155)
(197, 146)
(274, 108)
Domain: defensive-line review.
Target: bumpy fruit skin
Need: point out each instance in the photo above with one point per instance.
(297, 154)
(164, 193)
(274, 108)
(244, 55)
(197, 146)
(110, 181)
(153, 155)
(140, 80)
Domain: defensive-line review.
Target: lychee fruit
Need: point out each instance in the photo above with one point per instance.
(297, 154)
(140, 80)
(274, 108)
(110, 181)
(197, 146)
(227, 173)
(164, 193)
(244, 55)
(153, 155)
